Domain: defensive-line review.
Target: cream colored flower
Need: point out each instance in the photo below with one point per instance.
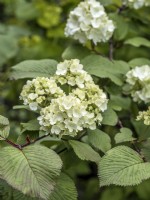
(139, 82)
(39, 92)
(89, 21)
(145, 116)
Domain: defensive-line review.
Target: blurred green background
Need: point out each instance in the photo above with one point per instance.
(34, 29)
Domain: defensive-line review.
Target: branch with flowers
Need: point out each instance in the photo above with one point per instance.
(85, 108)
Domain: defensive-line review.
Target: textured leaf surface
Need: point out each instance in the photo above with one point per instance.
(99, 139)
(125, 135)
(138, 41)
(110, 117)
(84, 151)
(146, 150)
(123, 166)
(64, 190)
(34, 68)
(4, 127)
(32, 170)
(104, 68)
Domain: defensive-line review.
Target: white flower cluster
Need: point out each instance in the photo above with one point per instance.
(136, 4)
(71, 72)
(139, 82)
(80, 109)
(39, 92)
(66, 116)
(89, 21)
(145, 116)
(66, 113)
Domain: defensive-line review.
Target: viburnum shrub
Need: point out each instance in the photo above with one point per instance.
(93, 106)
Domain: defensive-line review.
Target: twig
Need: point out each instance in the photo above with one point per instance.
(20, 147)
(111, 48)
(94, 50)
(133, 143)
(121, 9)
(32, 142)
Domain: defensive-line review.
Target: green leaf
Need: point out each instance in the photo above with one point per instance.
(139, 62)
(75, 51)
(8, 48)
(32, 170)
(32, 125)
(125, 135)
(19, 196)
(142, 130)
(110, 117)
(65, 189)
(99, 140)
(5, 191)
(106, 3)
(30, 134)
(33, 69)
(22, 6)
(122, 27)
(17, 107)
(104, 68)
(138, 41)
(123, 166)
(4, 127)
(113, 194)
(84, 151)
(146, 149)
(117, 100)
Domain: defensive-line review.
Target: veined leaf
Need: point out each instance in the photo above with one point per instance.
(32, 125)
(104, 68)
(4, 127)
(32, 170)
(110, 117)
(33, 69)
(138, 41)
(146, 149)
(64, 190)
(84, 151)
(125, 135)
(99, 139)
(123, 166)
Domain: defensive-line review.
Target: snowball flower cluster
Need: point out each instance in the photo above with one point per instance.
(39, 92)
(88, 21)
(136, 4)
(71, 72)
(66, 115)
(145, 116)
(69, 112)
(139, 83)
